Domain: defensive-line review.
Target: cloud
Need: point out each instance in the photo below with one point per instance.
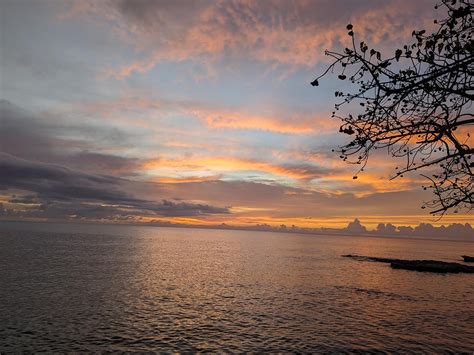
(51, 140)
(60, 191)
(292, 33)
(56, 182)
(272, 200)
(86, 151)
(148, 111)
(320, 172)
(33, 137)
(24, 200)
(282, 122)
(104, 163)
(186, 179)
(219, 165)
(46, 191)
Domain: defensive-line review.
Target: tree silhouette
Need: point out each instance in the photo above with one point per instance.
(416, 104)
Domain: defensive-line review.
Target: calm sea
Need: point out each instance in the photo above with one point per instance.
(92, 288)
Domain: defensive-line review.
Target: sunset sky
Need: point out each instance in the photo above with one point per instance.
(191, 111)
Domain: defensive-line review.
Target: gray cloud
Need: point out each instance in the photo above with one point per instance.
(287, 201)
(38, 138)
(56, 182)
(25, 200)
(104, 163)
(61, 192)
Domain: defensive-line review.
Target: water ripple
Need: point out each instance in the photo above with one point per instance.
(144, 290)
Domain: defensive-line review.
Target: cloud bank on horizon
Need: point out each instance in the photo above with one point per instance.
(190, 111)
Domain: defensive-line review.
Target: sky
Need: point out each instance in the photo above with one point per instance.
(196, 112)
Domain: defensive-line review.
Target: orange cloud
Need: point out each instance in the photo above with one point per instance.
(325, 176)
(186, 179)
(367, 183)
(141, 111)
(291, 123)
(231, 164)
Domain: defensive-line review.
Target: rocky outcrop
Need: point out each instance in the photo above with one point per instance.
(468, 259)
(418, 265)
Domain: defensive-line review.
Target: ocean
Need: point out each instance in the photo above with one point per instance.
(66, 287)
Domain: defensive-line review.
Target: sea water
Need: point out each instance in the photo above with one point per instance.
(123, 288)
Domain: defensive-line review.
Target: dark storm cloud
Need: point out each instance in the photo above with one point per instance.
(60, 192)
(60, 210)
(56, 182)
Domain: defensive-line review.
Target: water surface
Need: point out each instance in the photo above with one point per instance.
(91, 288)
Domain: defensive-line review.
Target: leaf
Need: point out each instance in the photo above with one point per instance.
(379, 56)
(342, 77)
(372, 52)
(349, 27)
(315, 82)
(349, 131)
(398, 53)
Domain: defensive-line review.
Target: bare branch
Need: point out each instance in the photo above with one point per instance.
(416, 104)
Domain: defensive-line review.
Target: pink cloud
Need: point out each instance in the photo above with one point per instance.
(292, 33)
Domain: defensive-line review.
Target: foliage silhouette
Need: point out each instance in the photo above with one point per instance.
(417, 104)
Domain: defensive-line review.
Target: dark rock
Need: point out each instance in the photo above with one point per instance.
(468, 259)
(418, 265)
